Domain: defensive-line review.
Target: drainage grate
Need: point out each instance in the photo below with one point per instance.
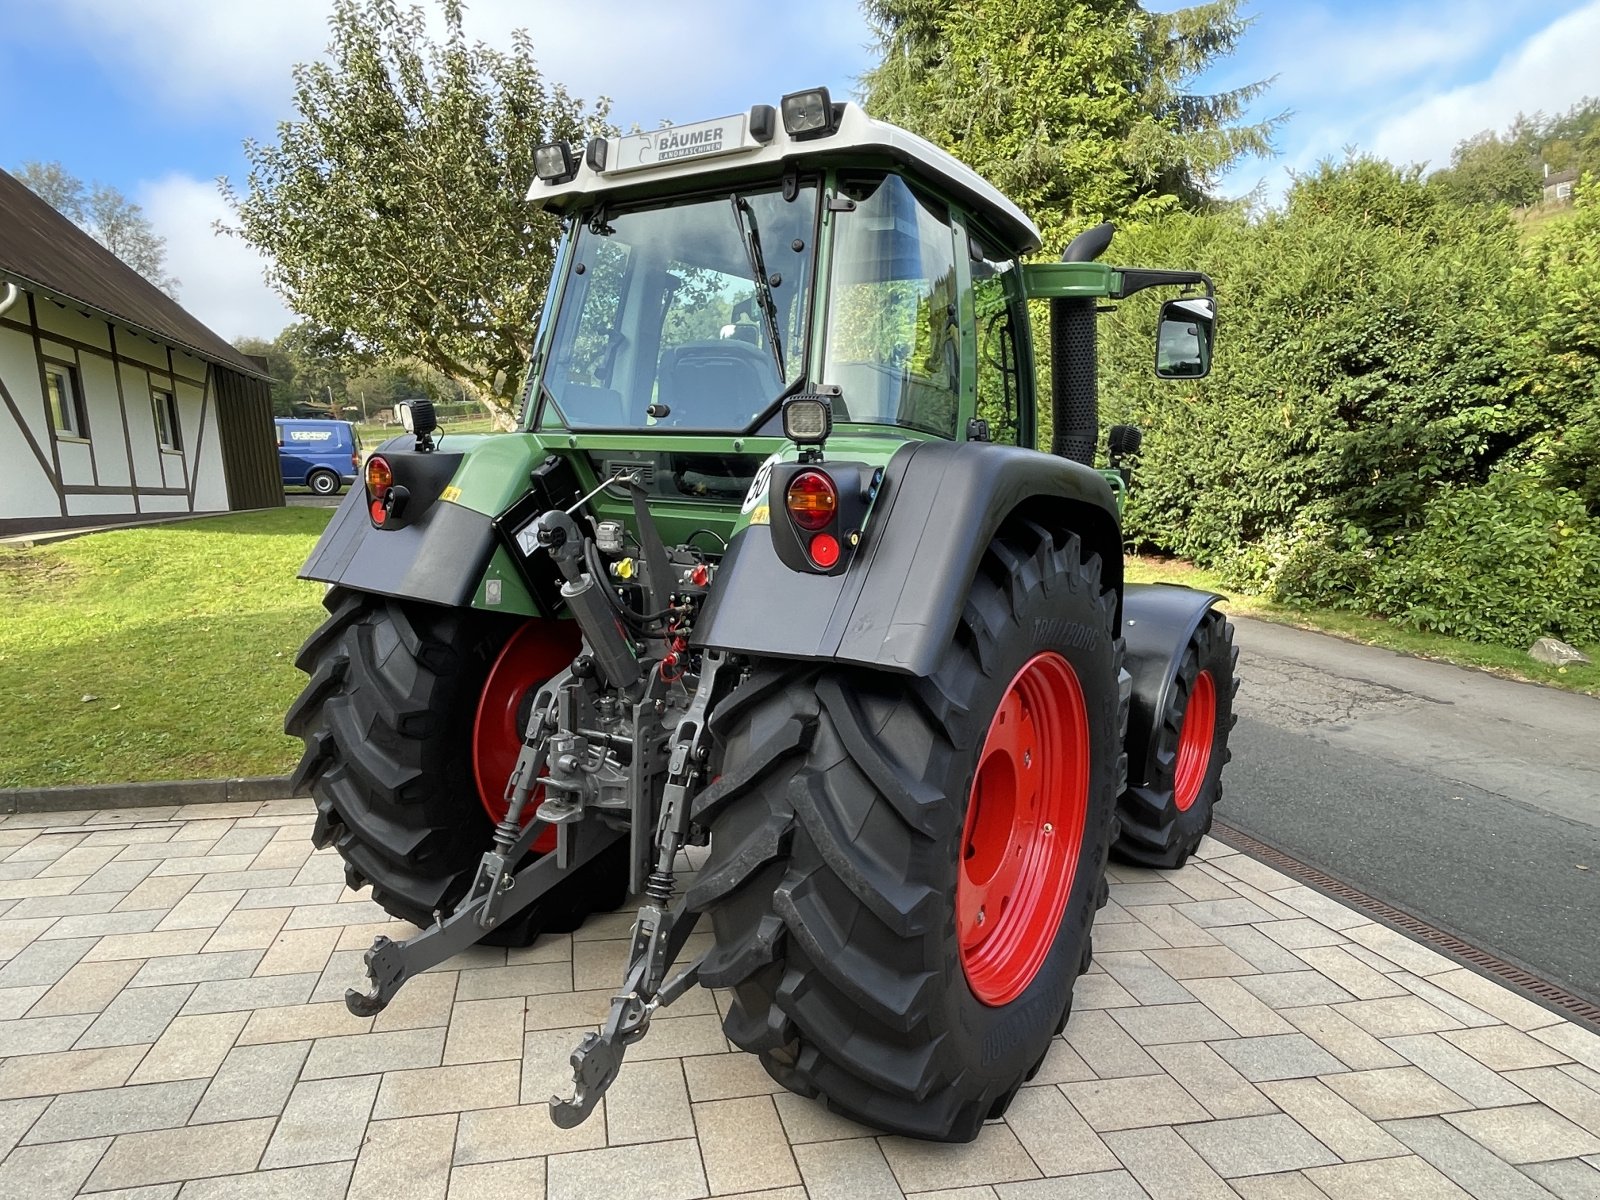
(1541, 991)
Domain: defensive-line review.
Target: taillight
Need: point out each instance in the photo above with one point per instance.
(355, 461)
(813, 502)
(824, 550)
(380, 479)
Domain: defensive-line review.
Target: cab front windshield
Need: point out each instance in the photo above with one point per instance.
(687, 317)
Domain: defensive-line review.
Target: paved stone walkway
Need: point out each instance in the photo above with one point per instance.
(171, 1025)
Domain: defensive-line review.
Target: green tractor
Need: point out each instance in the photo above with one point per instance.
(774, 566)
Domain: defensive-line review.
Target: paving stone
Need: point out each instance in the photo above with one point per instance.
(49, 1172)
(373, 1053)
(517, 981)
(496, 1134)
(1256, 948)
(68, 1071)
(94, 925)
(158, 894)
(1209, 914)
(203, 864)
(448, 1089)
(1061, 1064)
(201, 910)
(245, 929)
(1566, 1178)
(323, 1181)
(424, 1001)
(846, 1170)
(41, 1035)
(728, 1076)
(138, 1015)
(58, 906)
(1298, 933)
(1174, 928)
(1574, 1100)
(1197, 885)
(1145, 981)
(1124, 936)
(1256, 1146)
(129, 1109)
(742, 1145)
(14, 1002)
(811, 1121)
(1385, 1179)
(1110, 1104)
(649, 1103)
(1101, 1185)
(521, 1179)
(1349, 972)
(86, 988)
(1395, 1093)
(1202, 962)
(1161, 1024)
(1459, 1071)
(253, 1081)
(484, 1030)
(300, 951)
(1106, 1047)
(264, 991)
(1278, 1056)
(1501, 1048)
(1346, 1041)
(1401, 950)
(297, 1022)
(659, 1171)
(1463, 1160)
(16, 1118)
(1243, 1012)
(44, 962)
(323, 1122)
(1100, 991)
(1289, 1186)
(1294, 989)
(119, 876)
(1166, 1166)
(1575, 1043)
(328, 915)
(193, 1152)
(190, 1048)
(677, 1037)
(1396, 1016)
(1493, 998)
(148, 945)
(1331, 1119)
(1132, 895)
(408, 1159)
(1202, 1072)
(1058, 1140)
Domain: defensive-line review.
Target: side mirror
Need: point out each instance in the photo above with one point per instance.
(1183, 338)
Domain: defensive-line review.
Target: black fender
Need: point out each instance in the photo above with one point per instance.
(1157, 621)
(897, 605)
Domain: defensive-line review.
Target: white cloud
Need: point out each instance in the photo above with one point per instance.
(220, 277)
(1551, 71)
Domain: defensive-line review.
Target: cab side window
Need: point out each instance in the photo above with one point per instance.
(995, 295)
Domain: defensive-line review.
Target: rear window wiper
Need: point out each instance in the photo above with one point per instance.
(745, 216)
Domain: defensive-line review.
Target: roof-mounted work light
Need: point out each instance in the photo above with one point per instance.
(808, 114)
(554, 162)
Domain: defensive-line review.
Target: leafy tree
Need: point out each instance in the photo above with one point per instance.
(106, 215)
(1078, 109)
(391, 209)
(1486, 169)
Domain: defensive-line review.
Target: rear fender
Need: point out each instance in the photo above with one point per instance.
(1157, 621)
(897, 605)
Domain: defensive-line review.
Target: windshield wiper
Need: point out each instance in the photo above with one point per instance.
(751, 234)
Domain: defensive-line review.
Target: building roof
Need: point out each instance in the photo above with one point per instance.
(42, 251)
(644, 164)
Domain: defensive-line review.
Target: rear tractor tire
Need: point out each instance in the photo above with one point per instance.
(405, 721)
(904, 871)
(1164, 818)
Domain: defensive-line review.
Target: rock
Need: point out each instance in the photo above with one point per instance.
(1556, 652)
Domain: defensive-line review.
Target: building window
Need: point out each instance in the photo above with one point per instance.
(166, 413)
(65, 399)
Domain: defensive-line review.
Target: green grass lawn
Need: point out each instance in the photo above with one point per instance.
(1499, 660)
(184, 634)
(372, 436)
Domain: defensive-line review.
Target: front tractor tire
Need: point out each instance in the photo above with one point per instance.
(904, 871)
(1164, 818)
(397, 721)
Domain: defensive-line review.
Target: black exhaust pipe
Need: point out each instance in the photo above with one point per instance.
(1074, 374)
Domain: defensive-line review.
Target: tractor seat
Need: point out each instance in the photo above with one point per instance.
(723, 384)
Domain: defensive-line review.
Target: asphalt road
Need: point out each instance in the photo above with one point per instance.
(1468, 800)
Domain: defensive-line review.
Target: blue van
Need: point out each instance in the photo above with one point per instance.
(319, 455)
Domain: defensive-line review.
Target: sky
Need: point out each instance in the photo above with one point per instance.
(157, 97)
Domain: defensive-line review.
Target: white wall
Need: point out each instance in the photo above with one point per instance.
(86, 506)
(211, 492)
(141, 424)
(69, 322)
(26, 489)
(105, 418)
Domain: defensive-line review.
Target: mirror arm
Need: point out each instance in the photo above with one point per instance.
(1136, 279)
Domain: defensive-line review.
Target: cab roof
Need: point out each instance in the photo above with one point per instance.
(679, 157)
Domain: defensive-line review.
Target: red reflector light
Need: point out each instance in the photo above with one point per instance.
(377, 511)
(812, 502)
(825, 550)
(379, 477)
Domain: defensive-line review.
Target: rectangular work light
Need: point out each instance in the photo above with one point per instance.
(807, 420)
(554, 162)
(808, 114)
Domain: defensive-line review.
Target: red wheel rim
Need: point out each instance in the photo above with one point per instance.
(535, 652)
(1024, 829)
(1194, 742)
